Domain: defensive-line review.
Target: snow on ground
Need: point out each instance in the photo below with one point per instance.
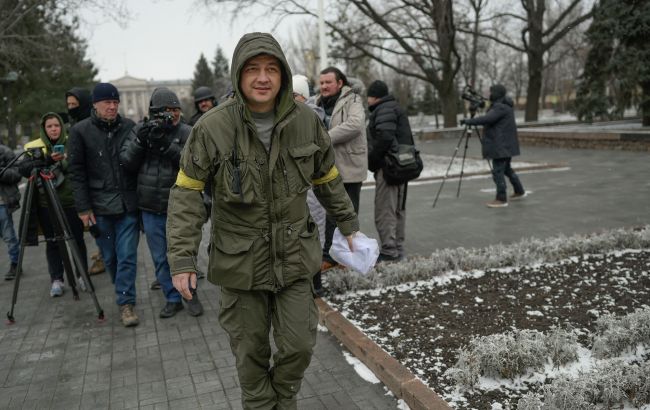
(361, 369)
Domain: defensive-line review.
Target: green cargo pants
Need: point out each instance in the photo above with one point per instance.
(247, 317)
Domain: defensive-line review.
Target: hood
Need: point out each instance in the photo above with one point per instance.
(497, 92)
(85, 103)
(382, 100)
(254, 44)
(45, 139)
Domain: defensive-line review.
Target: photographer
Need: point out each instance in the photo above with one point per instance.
(500, 144)
(9, 202)
(49, 153)
(153, 152)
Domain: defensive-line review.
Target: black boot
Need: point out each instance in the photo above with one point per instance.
(194, 306)
(11, 274)
(170, 309)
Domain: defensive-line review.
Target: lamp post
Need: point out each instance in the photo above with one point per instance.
(6, 82)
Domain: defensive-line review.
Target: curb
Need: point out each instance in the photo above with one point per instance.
(404, 384)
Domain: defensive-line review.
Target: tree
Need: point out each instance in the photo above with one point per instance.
(539, 32)
(203, 76)
(419, 32)
(220, 72)
(38, 41)
(617, 71)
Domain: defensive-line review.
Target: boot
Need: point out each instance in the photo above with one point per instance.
(194, 306)
(11, 274)
(128, 316)
(170, 309)
(98, 265)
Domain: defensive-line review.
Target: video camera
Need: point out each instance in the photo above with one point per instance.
(36, 153)
(476, 100)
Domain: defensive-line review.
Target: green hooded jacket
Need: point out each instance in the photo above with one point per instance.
(263, 237)
(64, 188)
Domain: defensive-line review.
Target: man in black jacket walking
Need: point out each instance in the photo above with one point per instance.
(500, 144)
(105, 194)
(388, 127)
(153, 152)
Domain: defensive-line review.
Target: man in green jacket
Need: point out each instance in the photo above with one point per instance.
(265, 152)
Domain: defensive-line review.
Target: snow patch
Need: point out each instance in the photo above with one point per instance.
(361, 369)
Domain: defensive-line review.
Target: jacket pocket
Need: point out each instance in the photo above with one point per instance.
(231, 260)
(236, 184)
(300, 167)
(303, 253)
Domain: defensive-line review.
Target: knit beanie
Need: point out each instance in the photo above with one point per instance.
(378, 89)
(300, 85)
(105, 91)
(163, 97)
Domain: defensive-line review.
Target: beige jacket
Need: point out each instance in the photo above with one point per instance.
(348, 134)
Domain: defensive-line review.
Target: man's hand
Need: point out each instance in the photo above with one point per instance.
(87, 216)
(350, 241)
(183, 282)
(142, 136)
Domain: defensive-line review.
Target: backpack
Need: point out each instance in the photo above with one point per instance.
(402, 165)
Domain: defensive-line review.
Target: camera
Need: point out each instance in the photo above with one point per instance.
(476, 100)
(36, 153)
(159, 118)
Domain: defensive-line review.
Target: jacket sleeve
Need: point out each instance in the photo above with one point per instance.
(186, 212)
(385, 136)
(10, 175)
(328, 186)
(132, 154)
(77, 171)
(491, 117)
(353, 125)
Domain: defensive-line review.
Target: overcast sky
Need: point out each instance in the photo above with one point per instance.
(164, 39)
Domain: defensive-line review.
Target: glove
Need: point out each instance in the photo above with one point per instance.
(142, 136)
(160, 139)
(463, 121)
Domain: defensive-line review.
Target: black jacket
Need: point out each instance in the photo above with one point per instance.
(99, 181)
(500, 130)
(9, 193)
(388, 126)
(156, 169)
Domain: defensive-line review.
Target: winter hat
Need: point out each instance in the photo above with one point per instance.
(497, 92)
(378, 89)
(163, 97)
(105, 91)
(300, 85)
(203, 93)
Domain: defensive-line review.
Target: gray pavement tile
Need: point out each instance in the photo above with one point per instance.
(186, 403)
(180, 388)
(176, 367)
(97, 381)
(152, 393)
(95, 400)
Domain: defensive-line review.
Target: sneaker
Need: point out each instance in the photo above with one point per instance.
(155, 285)
(56, 289)
(128, 316)
(496, 204)
(11, 274)
(170, 309)
(194, 306)
(515, 197)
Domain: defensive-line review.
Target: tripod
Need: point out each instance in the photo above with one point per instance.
(42, 177)
(467, 132)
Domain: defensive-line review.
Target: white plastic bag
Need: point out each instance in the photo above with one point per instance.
(364, 257)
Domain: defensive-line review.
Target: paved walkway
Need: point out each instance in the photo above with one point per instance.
(58, 356)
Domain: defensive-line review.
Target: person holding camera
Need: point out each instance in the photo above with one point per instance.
(500, 144)
(9, 202)
(48, 153)
(153, 151)
(105, 193)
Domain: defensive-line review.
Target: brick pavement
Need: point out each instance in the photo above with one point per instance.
(57, 356)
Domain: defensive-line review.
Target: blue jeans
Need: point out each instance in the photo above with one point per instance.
(155, 229)
(118, 241)
(9, 234)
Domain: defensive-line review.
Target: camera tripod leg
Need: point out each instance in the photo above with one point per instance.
(24, 227)
(444, 178)
(64, 226)
(468, 134)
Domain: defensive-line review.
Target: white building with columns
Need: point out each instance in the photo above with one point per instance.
(136, 92)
